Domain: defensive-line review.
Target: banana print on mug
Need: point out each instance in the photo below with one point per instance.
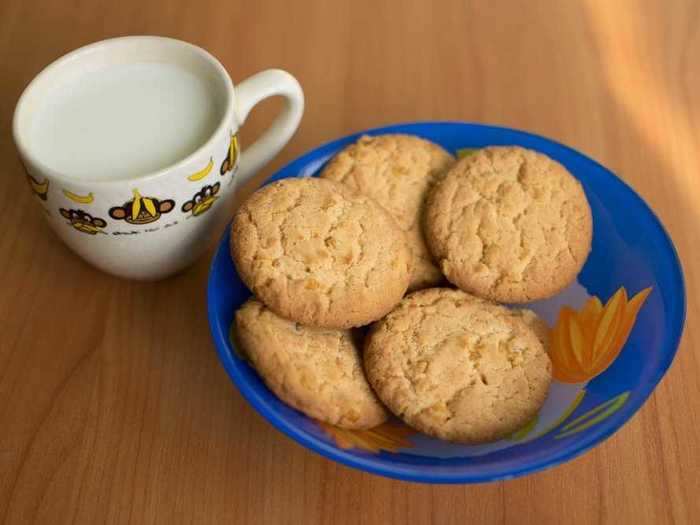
(203, 172)
(202, 200)
(80, 199)
(83, 221)
(231, 159)
(40, 189)
(141, 210)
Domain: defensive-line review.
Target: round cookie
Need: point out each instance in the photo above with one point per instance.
(316, 371)
(457, 367)
(397, 171)
(316, 252)
(509, 224)
(536, 324)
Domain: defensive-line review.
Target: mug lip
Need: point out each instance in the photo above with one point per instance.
(26, 152)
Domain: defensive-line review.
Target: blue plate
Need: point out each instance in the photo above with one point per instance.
(626, 339)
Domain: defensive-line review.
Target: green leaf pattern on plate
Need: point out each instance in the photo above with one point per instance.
(521, 434)
(565, 415)
(465, 152)
(593, 416)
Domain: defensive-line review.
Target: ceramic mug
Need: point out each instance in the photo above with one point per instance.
(155, 224)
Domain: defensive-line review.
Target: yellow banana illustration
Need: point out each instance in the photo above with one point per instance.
(80, 199)
(146, 202)
(231, 158)
(150, 207)
(40, 189)
(136, 205)
(203, 172)
(233, 151)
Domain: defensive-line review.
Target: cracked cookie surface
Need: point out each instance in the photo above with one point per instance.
(458, 367)
(316, 252)
(317, 371)
(397, 171)
(509, 224)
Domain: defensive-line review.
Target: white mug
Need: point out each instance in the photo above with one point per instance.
(155, 224)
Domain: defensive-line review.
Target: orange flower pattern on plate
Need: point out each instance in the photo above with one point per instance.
(585, 343)
(390, 436)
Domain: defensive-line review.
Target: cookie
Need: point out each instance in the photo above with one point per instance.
(536, 324)
(457, 367)
(316, 252)
(315, 370)
(509, 224)
(397, 171)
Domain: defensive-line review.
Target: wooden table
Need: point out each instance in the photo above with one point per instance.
(113, 406)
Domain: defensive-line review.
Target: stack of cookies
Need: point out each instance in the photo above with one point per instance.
(393, 214)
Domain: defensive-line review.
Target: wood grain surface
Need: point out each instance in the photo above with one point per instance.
(113, 406)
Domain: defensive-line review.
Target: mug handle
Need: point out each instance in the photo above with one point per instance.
(251, 91)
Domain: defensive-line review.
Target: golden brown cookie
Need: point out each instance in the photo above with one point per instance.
(509, 224)
(536, 324)
(316, 252)
(457, 367)
(397, 171)
(315, 370)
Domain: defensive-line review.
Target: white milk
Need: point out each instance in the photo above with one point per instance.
(125, 121)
